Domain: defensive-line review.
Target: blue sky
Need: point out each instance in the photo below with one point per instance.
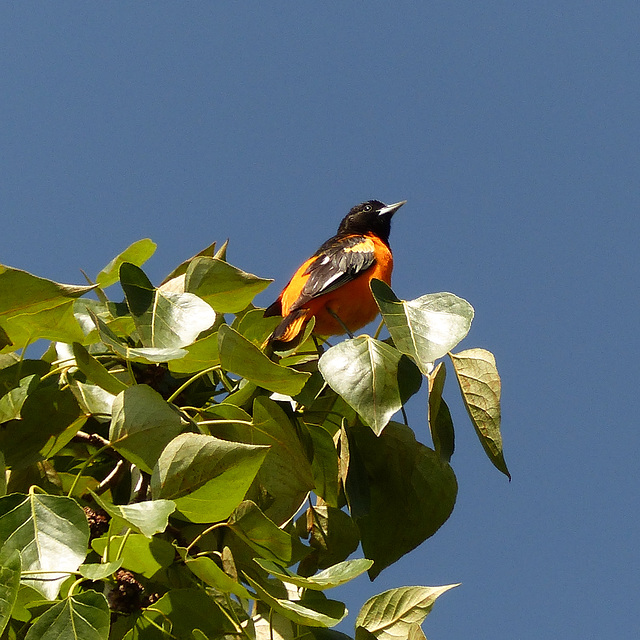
(512, 129)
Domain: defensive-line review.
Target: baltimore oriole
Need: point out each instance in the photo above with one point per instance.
(333, 284)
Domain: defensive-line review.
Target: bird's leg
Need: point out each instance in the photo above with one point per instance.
(333, 314)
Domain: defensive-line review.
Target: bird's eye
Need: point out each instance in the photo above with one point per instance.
(368, 207)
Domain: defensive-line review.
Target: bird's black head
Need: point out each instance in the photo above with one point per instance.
(372, 216)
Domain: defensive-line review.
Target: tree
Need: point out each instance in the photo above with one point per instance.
(162, 477)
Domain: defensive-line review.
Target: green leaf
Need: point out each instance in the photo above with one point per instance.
(182, 611)
(139, 354)
(286, 475)
(142, 425)
(202, 354)
(425, 328)
(207, 477)
(95, 371)
(366, 373)
(261, 533)
(99, 571)
(148, 517)
(323, 613)
(226, 288)
(181, 269)
(11, 403)
(51, 533)
(164, 319)
(411, 492)
(10, 567)
(324, 465)
(46, 412)
(333, 535)
(480, 386)
(440, 422)
(392, 614)
(334, 576)
(242, 357)
(33, 308)
(84, 616)
(3, 476)
(137, 253)
(210, 573)
(145, 556)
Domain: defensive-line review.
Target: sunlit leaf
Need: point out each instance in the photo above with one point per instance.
(164, 319)
(51, 533)
(205, 476)
(182, 611)
(200, 355)
(242, 357)
(142, 425)
(392, 614)
(84, 616)
(137, 253)
(210, 573)
(135, 354)
(225, 287)
(99, 571)
(374, 378)
(149, 517)
(145, 556)
(338, 574)
(480, 386)
(425, 328)
(33, 307)
(316, 613)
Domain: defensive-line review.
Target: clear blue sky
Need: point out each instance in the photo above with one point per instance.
(512, 129)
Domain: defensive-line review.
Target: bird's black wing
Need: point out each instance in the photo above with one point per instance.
(337, 262)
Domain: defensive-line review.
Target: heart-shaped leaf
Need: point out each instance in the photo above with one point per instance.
(84, 616)
(142, 424)
(374, 378)
(51, 533)
(383, 468)
(425, 328)
(164, 319)
(206, 477)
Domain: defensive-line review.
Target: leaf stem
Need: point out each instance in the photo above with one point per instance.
(201, 535)
(192, 379)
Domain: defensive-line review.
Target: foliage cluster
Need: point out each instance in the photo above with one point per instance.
(162, 477)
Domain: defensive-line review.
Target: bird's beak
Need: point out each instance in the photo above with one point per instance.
(390, 209)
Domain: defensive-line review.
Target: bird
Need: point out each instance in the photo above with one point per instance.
(332, 286)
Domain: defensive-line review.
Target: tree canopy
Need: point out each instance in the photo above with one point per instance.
(162, 476)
